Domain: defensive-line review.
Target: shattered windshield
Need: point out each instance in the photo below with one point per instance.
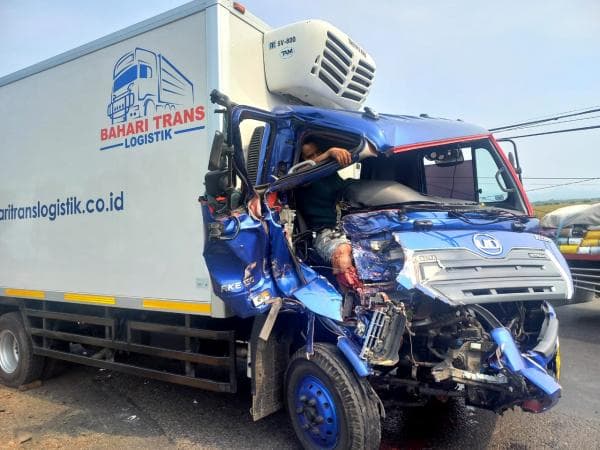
(467, 173)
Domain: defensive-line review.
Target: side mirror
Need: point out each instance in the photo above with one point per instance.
(513, 158)
(215, 161)
(217, 182)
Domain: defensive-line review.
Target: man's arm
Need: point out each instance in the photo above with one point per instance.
(341, 155)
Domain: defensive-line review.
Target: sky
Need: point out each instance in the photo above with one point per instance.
(490, 63)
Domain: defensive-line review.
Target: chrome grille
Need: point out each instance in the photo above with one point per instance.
(465, 277)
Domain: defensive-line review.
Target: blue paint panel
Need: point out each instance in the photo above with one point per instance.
(447, 232)
(321, 298)
(512, 359)
(313, 290)
(369, 223)
(237, 266)
(283, 266)
(351, 351)
(388, 131)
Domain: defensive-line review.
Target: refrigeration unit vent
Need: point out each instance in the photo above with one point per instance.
(318, 64)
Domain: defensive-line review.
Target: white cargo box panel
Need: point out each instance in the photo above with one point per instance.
(103, 158)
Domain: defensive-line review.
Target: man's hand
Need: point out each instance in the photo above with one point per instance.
(341, 155)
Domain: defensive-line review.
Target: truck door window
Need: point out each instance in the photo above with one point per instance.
(490, 191)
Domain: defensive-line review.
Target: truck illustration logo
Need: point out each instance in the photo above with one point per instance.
(487, 244)
(145, 83)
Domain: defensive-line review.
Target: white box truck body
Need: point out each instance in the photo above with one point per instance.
(103, 158)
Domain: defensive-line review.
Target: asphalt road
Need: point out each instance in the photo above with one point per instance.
(88, 408)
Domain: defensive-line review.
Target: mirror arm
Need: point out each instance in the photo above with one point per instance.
(516, 165)
(221, 99)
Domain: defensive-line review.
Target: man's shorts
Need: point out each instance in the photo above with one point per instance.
(327, 241)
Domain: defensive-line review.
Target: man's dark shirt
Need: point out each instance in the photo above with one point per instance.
(317, 201)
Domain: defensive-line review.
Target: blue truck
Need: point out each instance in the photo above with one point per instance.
(455, 279)
(144, 83)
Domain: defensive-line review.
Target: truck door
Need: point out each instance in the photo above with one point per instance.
(236, 248)
(246, 251)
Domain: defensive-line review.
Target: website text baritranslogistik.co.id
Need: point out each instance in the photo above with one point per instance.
(72, 205)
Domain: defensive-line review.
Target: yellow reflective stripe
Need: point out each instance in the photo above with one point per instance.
(27, 293)
(153, 303)
(557, 362)
(88, 298)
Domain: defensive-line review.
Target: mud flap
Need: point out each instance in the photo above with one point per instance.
(269, 361)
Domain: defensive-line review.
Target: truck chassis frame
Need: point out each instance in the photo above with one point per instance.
(120, 339)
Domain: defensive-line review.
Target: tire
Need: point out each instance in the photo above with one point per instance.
(18, 364)
(53, 368)
(329, 406)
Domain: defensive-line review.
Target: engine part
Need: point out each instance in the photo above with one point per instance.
(384, 335)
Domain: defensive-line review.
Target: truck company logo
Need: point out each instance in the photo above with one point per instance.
(151, 101)
(487, 244)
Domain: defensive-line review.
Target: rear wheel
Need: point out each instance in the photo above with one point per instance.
(329, 406)
(18, 364)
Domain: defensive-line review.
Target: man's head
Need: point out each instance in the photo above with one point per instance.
(310, 149)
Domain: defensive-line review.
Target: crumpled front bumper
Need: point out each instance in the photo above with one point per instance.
(533, 365)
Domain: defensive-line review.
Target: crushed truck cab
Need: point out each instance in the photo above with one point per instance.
(455, 280)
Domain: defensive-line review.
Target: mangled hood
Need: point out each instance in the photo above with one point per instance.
(457, 262)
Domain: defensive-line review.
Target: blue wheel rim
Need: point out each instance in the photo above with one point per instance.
(316, 412)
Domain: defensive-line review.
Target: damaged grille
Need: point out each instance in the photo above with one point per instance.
(465, 277)
(503, 291)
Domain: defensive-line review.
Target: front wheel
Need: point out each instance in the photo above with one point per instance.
(18, 364)
(329, 406)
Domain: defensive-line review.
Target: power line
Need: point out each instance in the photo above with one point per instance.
(568, 130)
(560, 113)
(556, 178)
(562, 184)
(551, 124)
(525, 178)
(516, 125)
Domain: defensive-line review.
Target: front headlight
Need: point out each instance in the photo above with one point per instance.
(407, 278)
(429, 270)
